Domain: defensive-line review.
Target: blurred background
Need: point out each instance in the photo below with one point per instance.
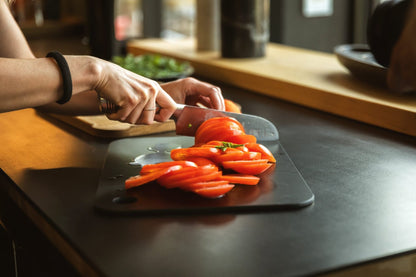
(101, 27)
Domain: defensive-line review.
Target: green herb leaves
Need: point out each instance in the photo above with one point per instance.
(226, 145)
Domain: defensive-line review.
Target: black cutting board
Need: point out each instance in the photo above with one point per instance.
(281, 187)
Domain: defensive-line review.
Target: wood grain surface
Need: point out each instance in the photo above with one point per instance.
(309, 78)
(101, 126)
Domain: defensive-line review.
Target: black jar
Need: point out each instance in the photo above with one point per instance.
(384, 28)
(244, 28)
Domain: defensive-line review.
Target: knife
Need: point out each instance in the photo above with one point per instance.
(189, 118)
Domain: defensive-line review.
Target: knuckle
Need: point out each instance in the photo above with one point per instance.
(189, 81)
(153, 87)
(216, 90)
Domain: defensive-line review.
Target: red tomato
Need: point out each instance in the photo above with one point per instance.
(213, 143)
(251, 156)
(184, 153)
(265, 152)
(253, 167)
(231, 106)
(243, 179)
(183, 183)
(220, 121)
(214, 192)
(143, 179)
(201, 161)
(241, 139)
(230, 156)
(174, 179)
(218, 128)
(206, 184)
(148, 168)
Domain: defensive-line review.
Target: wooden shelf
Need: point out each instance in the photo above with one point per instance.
(310, 78)
(51, 28)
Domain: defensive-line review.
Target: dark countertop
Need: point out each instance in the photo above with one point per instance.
(363, 178)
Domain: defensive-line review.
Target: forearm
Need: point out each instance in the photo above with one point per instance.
(84, 103)
(37, 82)
(12, 41)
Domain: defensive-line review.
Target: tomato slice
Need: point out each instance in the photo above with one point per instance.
(213, 143)
(148, 168)
(183, 183)
(242, 179)
(172, 179)
(214, 192)
(220, 133)
(184, 153)
(241, 139)
(200, 161)
(265, 152)
(252, 156)
(206, 184)
(218, 128)
(139, 180)
(231, 106)
(230, 156)
(252, 167)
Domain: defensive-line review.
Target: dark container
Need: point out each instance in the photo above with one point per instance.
(244, 28)
(384, 28)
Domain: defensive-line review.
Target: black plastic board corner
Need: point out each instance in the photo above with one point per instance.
(281, 187)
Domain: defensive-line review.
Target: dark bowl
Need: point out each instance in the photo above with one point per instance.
(360, 62)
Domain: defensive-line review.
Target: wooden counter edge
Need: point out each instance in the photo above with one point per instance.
(378, 111)
(57, 239)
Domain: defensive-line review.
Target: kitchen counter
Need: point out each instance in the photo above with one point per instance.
(308, 78)
(361, 222)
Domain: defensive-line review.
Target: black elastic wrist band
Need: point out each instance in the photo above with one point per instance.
(66, 76)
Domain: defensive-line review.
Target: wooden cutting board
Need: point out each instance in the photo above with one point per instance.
(101, 126)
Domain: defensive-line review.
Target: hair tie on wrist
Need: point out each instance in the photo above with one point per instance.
(66, 76)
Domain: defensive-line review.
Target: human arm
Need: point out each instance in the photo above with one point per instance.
(27, 81)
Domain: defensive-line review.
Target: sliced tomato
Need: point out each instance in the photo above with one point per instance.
(253, 167)
(148, 168)
(265, 152)
(214, 192)
(200, 161)
(231, 106)
(230, 156)
(213, 143)
(139, 180)
(184, 183)
(220, 133)
(241, 138)
(174, 180)
(206, 184)
(184, 153)
(218, 128)
(223, 121)
(251, 156)
(242, 179)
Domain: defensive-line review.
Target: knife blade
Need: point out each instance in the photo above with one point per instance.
(189, 118)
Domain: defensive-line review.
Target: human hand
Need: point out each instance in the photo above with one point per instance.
(401, 75)
(191, 91)
(136, 96)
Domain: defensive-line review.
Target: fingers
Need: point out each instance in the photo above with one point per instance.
(138, 102)
(209, 95)
(167, 107)
(136, 96)
(192, 91)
